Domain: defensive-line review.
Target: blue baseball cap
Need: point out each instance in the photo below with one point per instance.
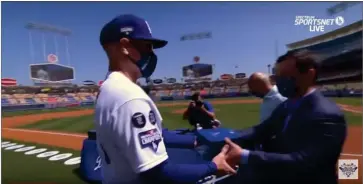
(129, 26)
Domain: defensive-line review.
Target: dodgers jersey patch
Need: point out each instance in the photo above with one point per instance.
(150, 139)
(152, 118)
(138, 120)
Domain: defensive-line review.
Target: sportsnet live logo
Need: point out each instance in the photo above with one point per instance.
(316, 24)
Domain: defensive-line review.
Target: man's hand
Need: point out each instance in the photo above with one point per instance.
(222, 165)
(191, 104)
(233, 156)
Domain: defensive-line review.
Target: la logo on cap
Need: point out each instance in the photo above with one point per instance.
(126, 29)
(148, 27)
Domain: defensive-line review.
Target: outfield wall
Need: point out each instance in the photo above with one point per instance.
(159, 98)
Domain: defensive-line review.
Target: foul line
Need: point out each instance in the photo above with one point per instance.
(45, 132)
(84, 136)
(352, 155)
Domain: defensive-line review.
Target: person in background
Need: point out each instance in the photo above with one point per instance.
(260, 86)
(200, 112)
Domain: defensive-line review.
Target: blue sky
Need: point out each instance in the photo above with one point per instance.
(244, 33)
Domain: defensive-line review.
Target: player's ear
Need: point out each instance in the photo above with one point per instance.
(124, 44)
(125, 51)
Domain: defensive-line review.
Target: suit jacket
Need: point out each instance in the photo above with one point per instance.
(305, 151)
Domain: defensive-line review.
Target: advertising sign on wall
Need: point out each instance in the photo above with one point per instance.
(8, 82)
(89, 83)
(226, 76)
(240, 75)
(171, 80)
(157, 81)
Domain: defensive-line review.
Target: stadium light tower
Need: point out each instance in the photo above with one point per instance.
(45, 28)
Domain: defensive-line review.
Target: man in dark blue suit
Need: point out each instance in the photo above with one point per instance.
(304, 136)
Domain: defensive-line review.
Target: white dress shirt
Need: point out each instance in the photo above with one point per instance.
(270, 101)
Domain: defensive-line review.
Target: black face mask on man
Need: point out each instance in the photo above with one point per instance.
(287, 86)
(258, 95)
(146, 64)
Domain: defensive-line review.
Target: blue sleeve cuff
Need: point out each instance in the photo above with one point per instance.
(244, 156)
(213, 167)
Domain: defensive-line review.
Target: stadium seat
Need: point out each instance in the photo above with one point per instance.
(30, 101)
(22, 101)
(5, 96)
(38, 100)
(5, 101)
(84, 99)
(89, 98)
(77, 99)
(71, 94)
(71, 99)
(13, 101)
(51, 100)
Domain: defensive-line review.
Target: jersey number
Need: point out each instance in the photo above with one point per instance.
(108, 161)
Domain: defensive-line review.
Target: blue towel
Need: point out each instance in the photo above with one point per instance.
(184, 156)
(175, 140)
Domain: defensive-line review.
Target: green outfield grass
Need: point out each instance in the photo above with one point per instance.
(349, 101)
(232, 115)
(20, 168)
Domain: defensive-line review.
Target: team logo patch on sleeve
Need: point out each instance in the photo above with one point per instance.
(150, 139)
(152, 118)
(138, 120)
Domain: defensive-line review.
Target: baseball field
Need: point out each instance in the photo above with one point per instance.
(59, 133)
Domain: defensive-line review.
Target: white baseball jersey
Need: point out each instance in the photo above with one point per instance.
(129, 132)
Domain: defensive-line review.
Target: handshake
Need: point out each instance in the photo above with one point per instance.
(228, 159)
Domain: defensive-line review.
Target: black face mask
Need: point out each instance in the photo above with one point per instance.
(146, 64)
(287, 86)
(258, 95)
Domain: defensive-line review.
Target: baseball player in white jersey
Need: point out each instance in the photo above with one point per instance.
(128, 123)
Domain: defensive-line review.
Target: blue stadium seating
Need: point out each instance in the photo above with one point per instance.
(5, 101)
(71, 99)
(89, 98)
(30, 101)
(338, 46)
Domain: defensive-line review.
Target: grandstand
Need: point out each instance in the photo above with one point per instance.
(340, 54)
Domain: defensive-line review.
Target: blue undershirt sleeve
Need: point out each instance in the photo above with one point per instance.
(208, 106)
